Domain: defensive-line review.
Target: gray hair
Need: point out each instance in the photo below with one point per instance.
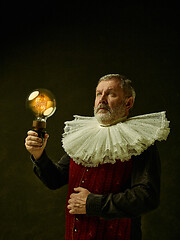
(125, 84)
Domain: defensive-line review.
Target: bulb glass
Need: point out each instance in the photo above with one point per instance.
(42, 103)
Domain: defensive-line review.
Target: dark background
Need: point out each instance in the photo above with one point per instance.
(66, 48)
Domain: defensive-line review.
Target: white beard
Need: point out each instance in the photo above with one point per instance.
(111, 115)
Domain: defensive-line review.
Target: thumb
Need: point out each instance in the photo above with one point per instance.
(45, 139)
(78, 189)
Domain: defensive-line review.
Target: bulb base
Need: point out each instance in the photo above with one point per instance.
(39, 125)
(40, 128)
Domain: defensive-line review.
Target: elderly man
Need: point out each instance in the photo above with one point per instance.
(111, 165)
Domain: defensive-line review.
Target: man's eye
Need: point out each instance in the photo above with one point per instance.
(98, 94)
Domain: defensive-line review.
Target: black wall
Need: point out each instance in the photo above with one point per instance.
(66, 48)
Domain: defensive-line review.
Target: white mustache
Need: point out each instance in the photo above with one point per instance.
(102, 106)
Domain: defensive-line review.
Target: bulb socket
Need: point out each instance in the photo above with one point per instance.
(40, 128)
(39, 125)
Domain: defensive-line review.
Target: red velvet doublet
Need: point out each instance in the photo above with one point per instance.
(104, 179)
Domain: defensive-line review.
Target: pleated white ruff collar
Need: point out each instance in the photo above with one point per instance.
(90, 144)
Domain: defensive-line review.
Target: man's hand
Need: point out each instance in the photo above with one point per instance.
(34, 144)
(77, 201)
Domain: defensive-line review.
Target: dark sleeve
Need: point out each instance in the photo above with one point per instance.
(52, 175)
(141, 197)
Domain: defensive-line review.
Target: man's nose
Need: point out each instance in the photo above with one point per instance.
(103, 99)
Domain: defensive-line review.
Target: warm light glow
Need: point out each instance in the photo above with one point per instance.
(42, 103)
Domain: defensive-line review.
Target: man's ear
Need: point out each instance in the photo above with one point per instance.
(129, 103)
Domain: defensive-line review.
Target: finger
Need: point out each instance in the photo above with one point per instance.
(73, 206)
(33, 138)
(32, 146)
(73, 195)
(31, 143)
(46, 136)
(77, 205)
(72, 211)
(77, 211)
(32, 133)
(69, 206)
(79, 200)
(72, 201)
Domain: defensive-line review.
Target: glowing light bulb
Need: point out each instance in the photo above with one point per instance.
(43, 104)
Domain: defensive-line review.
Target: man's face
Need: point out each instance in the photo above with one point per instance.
(109, 103)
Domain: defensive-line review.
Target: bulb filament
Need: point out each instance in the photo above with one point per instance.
(40, 104)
